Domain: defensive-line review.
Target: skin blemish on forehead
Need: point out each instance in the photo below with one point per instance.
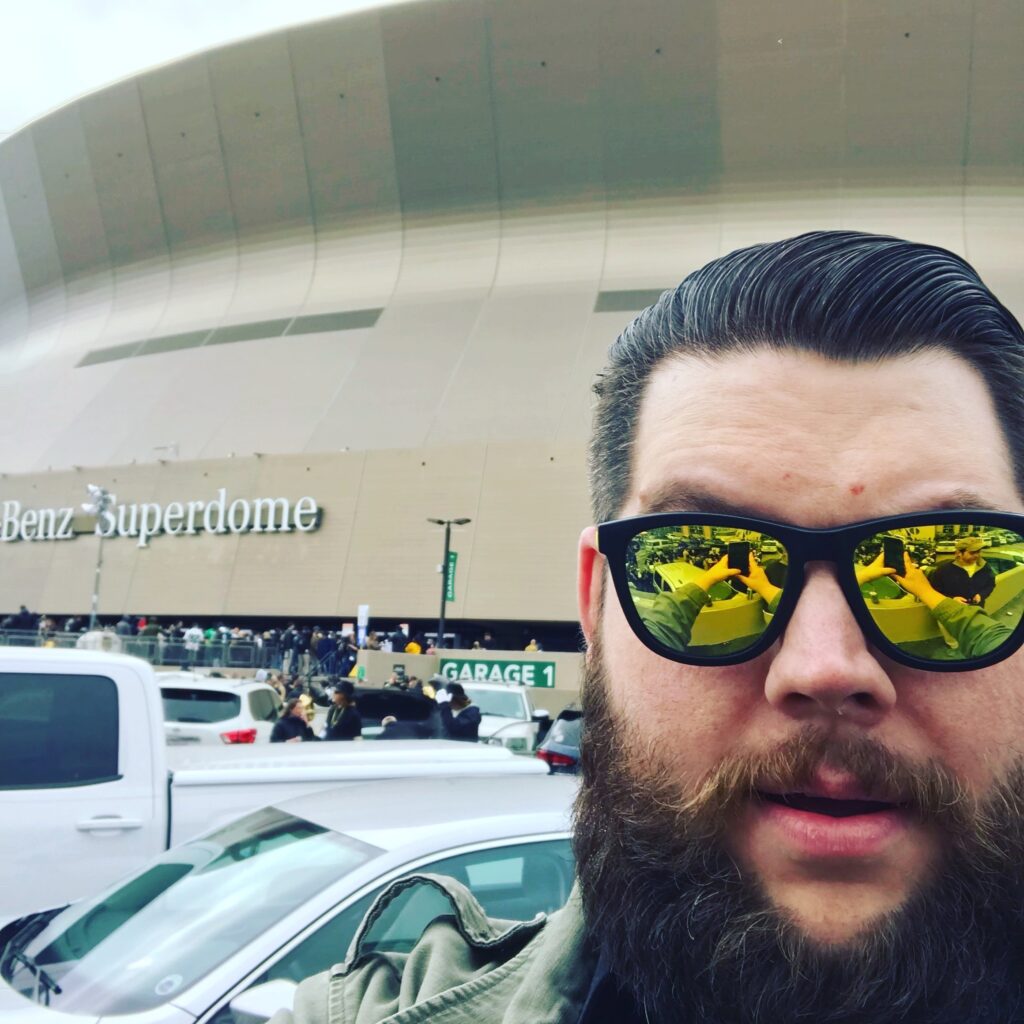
(856, 488)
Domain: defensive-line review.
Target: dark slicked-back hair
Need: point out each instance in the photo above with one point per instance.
(843, 295)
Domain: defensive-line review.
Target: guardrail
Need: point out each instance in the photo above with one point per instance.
(158, 650)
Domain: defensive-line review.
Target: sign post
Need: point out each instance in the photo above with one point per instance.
(447, 569)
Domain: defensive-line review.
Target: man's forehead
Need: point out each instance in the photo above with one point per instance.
(683, 496)
(792, 436)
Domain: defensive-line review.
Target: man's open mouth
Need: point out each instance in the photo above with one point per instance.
(827, 806)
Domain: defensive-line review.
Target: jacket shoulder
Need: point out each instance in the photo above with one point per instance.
(465, 967)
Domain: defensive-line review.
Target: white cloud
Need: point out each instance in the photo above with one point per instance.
(52, 51)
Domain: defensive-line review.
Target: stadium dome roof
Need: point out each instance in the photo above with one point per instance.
(423, 225)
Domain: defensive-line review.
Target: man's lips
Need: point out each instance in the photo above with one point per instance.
(832, 816)
(831, 792)
(826, 805)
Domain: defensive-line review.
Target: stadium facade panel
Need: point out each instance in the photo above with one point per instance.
(386, 238)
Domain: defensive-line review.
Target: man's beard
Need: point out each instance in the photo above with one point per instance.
(693, 938)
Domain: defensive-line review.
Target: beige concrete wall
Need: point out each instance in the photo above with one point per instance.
(480, 174)
(374, 546)
(380, 664)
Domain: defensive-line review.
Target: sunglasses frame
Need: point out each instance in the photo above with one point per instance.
(834, 544)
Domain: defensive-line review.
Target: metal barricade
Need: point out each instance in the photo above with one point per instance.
(160, 651)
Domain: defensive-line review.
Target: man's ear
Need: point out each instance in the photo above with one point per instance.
(589, 581)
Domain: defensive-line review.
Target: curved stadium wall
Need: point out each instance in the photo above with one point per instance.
(376, 262)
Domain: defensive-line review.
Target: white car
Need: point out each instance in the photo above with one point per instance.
(200, 709)
(219, 930)
(507, 715)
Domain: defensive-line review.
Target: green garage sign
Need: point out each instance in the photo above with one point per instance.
(515, 673)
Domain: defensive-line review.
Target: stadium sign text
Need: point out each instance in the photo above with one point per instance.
(479, 670)
(144, 520)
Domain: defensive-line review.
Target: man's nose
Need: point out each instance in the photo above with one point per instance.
(823, 666)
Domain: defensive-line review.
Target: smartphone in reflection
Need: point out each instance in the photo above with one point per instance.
(739, 556)
(892, 551)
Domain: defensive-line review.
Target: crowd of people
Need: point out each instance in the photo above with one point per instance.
(447, 712)
(296, 648)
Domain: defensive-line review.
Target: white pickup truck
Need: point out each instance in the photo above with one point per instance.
(87, 793)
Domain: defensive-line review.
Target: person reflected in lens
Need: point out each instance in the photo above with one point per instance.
(972, 631)
(967, 578)
(671, 615)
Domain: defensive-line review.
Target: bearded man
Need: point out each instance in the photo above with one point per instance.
(798, 803)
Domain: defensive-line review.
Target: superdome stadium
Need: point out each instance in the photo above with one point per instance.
(291, 298)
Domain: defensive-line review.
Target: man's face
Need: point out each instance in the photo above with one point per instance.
(793, 438)
(967, 557)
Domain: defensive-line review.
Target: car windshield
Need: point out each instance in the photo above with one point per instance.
(507, 704)
(141, 944)
(189, 705)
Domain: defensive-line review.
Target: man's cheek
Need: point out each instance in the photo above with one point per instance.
(973, 722)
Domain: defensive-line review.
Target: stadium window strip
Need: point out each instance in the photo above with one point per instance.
(628, 301)
(317, 323)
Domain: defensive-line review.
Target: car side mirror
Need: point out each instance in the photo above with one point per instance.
(258, 1004)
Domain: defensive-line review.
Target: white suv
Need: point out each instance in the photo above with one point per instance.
(507, 715)
(200, 709)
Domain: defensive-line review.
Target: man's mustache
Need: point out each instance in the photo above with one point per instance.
(924, 789)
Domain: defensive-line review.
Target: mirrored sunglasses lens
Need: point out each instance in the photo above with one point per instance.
(707, 591)
(950, 592)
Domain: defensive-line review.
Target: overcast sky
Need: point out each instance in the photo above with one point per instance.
(52, 51)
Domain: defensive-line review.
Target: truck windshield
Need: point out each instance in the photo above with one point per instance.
(497, 702)
(141, 944)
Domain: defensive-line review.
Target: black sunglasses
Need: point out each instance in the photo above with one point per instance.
(942, 591)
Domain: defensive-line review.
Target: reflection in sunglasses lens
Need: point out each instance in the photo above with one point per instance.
(943, 592)
(709, 591)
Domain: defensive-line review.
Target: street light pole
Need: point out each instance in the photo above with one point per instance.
(101, 501)
(444, 584)
(447, 524)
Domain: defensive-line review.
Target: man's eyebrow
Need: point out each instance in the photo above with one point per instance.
(969, 500)
(674, 498)
(683, 498)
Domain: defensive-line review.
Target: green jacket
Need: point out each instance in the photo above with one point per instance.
(975, 630)
(465, 969)
(671, 614)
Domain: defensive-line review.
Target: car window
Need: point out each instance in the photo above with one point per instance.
(57, 730)
(146, 940)
(273, 706)
(185, 704)
(497, 702)
(255, 701)
(566, 731)
(262, 706)
(512, 882)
